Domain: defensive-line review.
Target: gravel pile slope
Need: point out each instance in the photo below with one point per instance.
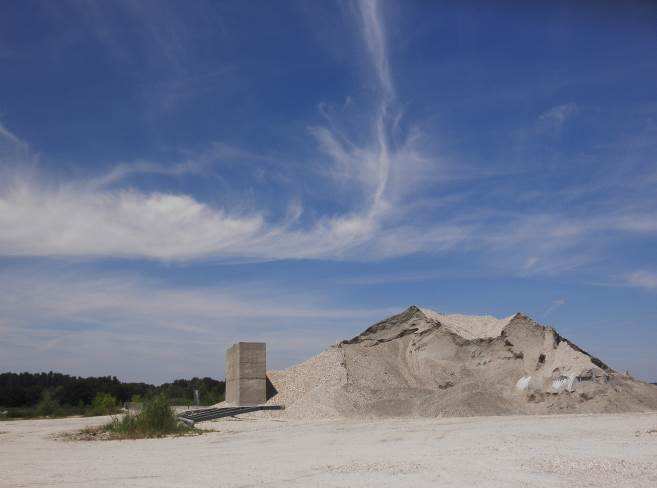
(423, 363)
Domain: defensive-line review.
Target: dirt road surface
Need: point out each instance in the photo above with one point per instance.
(547, 451)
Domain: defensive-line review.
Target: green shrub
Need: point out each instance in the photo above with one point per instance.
(156, 419)
(158, 416)
(47, 406)
(103, 404)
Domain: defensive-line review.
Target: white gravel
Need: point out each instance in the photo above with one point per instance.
(470, 326)
(548, 451)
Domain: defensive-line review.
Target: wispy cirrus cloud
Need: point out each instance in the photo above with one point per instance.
(12, 147)
(99, 218)
(9, 136)
(642, 279)
(375, 173)
(373, 31)
(558, 303)
(164, 37)
(124, 170)
(555, 117)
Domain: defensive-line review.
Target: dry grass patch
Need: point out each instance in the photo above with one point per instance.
(156, 419)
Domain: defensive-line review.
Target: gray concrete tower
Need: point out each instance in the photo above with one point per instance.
(246, 373)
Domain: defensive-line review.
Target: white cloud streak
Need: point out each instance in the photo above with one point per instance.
(373, 30)
(10, 136)
(11, 146)
(643, 279)
(124, 170)
(558, 303)
(557, 116)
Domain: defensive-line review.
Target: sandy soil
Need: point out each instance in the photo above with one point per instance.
(572, 450)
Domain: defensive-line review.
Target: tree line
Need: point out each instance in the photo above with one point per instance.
(28, 389)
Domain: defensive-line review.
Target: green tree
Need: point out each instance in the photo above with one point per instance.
(104, 404)
(47, 406)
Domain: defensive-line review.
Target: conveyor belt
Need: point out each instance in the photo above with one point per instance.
(193, 416)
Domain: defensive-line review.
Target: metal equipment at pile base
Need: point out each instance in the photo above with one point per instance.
(190, 417)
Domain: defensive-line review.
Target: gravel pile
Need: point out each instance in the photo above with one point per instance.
(424, 363)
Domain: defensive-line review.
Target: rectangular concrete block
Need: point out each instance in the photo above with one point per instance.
(246, 373)
(252, 391)
(252, 370)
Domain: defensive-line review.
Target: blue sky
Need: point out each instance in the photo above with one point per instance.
(174, 178)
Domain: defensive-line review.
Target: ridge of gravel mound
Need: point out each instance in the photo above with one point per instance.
(469, 326)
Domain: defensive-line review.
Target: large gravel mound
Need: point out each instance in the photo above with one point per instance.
(424, 363)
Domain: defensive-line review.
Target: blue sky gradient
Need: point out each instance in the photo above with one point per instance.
(174, 178)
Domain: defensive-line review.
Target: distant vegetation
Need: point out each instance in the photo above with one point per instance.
(56, 395)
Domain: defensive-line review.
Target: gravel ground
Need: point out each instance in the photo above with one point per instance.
(573, 451)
